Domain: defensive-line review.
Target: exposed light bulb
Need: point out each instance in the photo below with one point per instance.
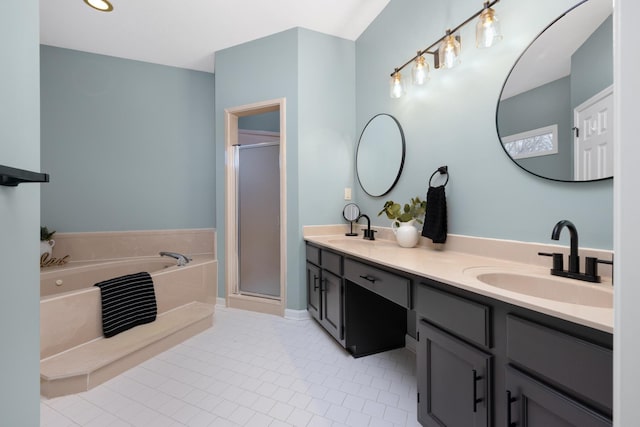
(449, 51)
(396, 85)
(420, 71)
(101, 5)
(488, 28)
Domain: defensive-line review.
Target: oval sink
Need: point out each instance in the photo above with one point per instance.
(581, 293)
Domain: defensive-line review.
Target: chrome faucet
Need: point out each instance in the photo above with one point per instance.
(591, 263)
(182, 259)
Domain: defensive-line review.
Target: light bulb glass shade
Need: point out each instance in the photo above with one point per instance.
(449, 51)
(396, 85)
(420, 71)
(101, 5)
(487, 29)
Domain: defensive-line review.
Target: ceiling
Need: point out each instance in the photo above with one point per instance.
(186, 34)
(548, 58)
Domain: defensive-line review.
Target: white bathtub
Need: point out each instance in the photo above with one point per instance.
(70, 308)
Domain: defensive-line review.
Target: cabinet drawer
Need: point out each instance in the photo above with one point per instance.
(389, 285)
(313, 254)
(468, 319)
(331, 262)
(565, 360)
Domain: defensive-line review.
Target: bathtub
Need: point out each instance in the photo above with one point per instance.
(84, 275)
(70, 307)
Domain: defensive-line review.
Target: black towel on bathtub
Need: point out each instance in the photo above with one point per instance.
(127, 301)
(435, 220)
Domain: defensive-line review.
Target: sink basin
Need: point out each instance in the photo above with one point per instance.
(560, 290)
(359, 242)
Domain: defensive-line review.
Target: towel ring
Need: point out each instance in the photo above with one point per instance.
(441, 170)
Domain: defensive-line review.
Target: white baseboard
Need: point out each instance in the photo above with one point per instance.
(410, 343)
(296, 314)
(221, 302)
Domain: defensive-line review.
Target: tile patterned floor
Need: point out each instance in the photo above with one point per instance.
(250, 370)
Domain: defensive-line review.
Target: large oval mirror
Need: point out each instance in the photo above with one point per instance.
(380, 155)
(555, 113)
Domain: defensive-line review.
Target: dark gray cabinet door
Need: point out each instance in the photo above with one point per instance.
(331, 294)
(313, 290)
(533, 404)
(454, 381)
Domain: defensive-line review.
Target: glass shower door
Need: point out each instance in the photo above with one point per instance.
(258, 198)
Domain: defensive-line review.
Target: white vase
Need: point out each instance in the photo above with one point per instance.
(46, 247)
(406, 233)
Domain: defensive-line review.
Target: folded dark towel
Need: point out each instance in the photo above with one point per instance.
(435, 220)
(127, 301)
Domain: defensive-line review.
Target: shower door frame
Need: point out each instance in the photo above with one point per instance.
(233, 297)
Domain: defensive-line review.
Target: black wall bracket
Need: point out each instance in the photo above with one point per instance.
(11, 177)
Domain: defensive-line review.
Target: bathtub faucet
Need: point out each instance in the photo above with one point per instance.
(182, 259)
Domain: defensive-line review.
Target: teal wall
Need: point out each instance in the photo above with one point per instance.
(326, 117)
(20, 214)
(239, 82)
(543, 106)
(592, 64)
(129, 145)
(315, 73)
(451, 122)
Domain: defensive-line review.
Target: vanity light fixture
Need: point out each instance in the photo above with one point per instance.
(101, 5)
(488, 28)
(446, 50)
(396, 85)
(449, 51)
(420, 71)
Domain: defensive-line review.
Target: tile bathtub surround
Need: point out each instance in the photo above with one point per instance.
(124, 244)
(251, 370)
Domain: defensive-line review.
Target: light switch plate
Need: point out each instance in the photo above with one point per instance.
(347, 193)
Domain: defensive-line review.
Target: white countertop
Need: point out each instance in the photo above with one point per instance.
(460, 270)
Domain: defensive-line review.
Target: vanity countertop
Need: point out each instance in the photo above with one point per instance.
(460, 269)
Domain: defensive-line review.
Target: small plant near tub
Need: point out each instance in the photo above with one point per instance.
(414, 210)
(45, 234)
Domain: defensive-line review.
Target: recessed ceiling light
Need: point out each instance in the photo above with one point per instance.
(101, 5)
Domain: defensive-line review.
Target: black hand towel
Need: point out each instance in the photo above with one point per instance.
(435, 220)
(127, 301)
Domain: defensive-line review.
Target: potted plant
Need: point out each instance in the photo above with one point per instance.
(46, 241)
(404, 219)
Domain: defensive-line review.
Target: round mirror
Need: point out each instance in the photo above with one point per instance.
(351, 212)
(380, 155)
(555, 113)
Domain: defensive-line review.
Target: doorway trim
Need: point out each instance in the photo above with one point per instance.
(233, 299)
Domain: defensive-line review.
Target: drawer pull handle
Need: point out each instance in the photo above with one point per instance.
(510, 400)
(369, 278)
(476, 400)
(315, 283)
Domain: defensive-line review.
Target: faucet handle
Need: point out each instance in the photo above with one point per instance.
(368, 234)
(591, 265)
(558, 263)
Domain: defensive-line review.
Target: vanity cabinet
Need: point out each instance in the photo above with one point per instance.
(454, 379)
(325, 290)
(313, 290)
(482, 362)
(362, 306)
(550, 374)
(532, 403)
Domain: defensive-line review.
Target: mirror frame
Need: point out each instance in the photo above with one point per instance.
(505, 84)
(404, 149)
